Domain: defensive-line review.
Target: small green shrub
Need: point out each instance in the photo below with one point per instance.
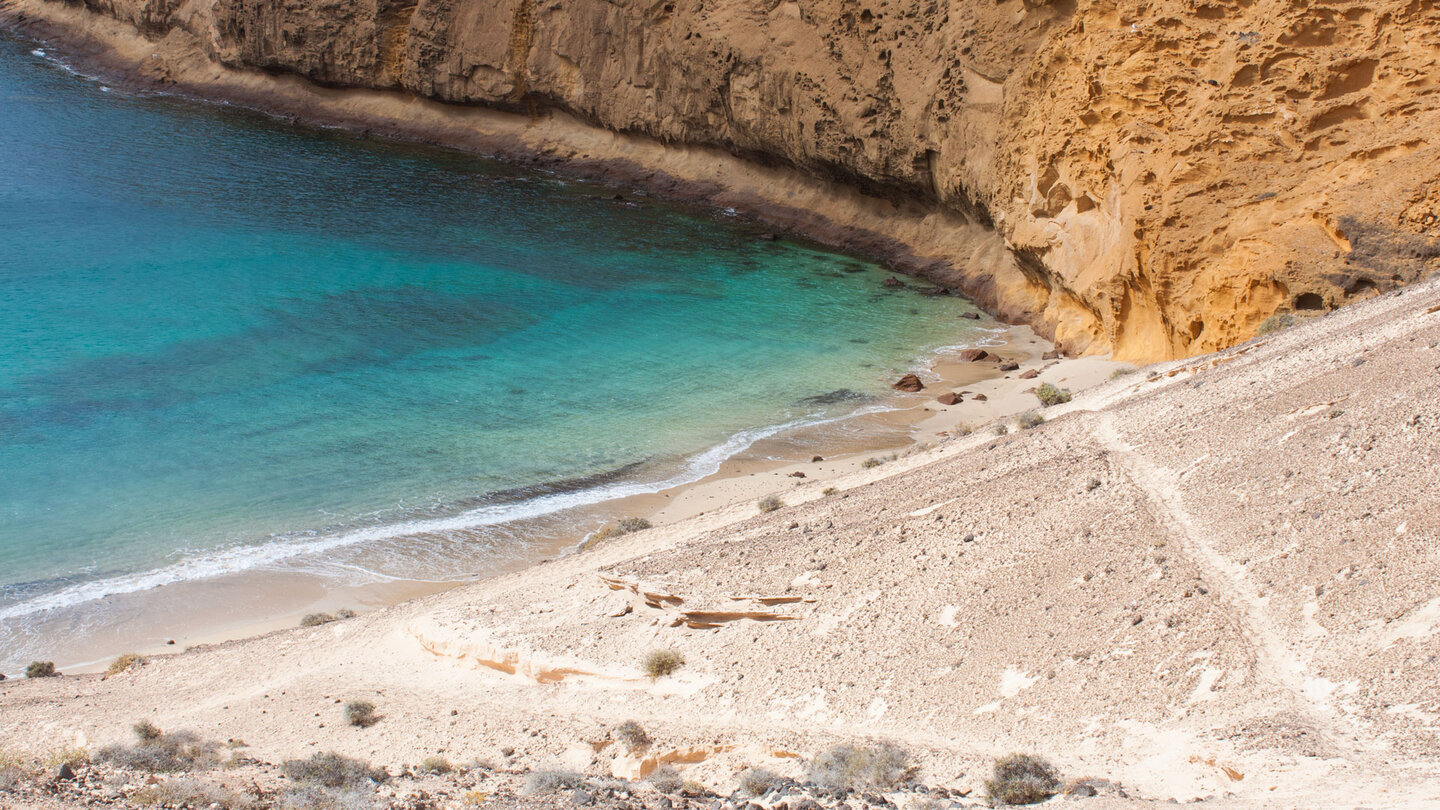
(361, 713)
(1050, 395)
(769, 503)
(549, 780)
(125, 663)
(1274, 323)
(1029, 419)
(317, 619)
(160, 752)
(758, 781)
(871, 463)
(333, 770)
(1022, 779)
(659, 663)
(1001, 429)
(622, 527)
(41, 669)
(632, 735)
(666, 779)
(882, 766)
(436, 765)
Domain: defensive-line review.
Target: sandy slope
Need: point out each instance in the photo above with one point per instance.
(1214, 578)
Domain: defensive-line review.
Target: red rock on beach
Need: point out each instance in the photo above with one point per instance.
(910, 384)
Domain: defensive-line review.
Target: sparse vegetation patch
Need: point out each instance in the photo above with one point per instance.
(361, 713)
(125, 663)
(1029, 419)
(758, 781)
(1276, 322)
(156, 751)
(549, 780)
(666, 779)
(632, 735)
(621, 527)
(881, 766)
(333, 770)
(659, 663)
(1050, 395)
(436, 765)
(769, 503)
(41, 669)
(1022, 779)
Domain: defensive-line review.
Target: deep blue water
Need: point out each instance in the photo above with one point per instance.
(228, 342)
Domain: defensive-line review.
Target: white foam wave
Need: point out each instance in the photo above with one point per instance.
(248, 558)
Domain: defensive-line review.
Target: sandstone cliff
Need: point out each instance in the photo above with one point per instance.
(1166, 174)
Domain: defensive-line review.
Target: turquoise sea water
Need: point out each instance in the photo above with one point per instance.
(227, 343)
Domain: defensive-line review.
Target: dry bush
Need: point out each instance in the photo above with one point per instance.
(361, 713)
(1022, 779)
(769, 503)
(549, 780)
(758, 781)
(1029, 419)
(1274, 323)
(622, 527)
(125, 663)
(1050, 395)
(186, 792)
(881, 766)
(632, 735)
(317, 619)
(41, 669)
(659, 663)
(315, 797)
(159, 752)
(333, 770)
(666, 779)
(436, 765)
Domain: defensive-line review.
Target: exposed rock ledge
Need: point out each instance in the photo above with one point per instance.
(1160, 177)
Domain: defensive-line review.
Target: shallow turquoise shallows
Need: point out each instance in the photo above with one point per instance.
(226, 342)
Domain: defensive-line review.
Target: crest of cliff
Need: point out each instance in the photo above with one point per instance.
(1166, 175)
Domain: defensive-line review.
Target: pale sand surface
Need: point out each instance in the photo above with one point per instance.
(1212, 579)
(238, 606)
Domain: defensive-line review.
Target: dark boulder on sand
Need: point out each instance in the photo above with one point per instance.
(974, 355)
(909, 384)
(951, 398)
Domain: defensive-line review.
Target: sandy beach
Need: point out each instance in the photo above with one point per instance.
(1145, 588)
(209, 611)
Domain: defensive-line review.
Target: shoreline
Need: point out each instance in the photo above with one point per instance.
(905, 426)
(829, 214)
(1075, 591)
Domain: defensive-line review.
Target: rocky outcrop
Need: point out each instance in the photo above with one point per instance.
(1167, 174)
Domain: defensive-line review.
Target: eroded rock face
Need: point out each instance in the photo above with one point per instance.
(1167, 173)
